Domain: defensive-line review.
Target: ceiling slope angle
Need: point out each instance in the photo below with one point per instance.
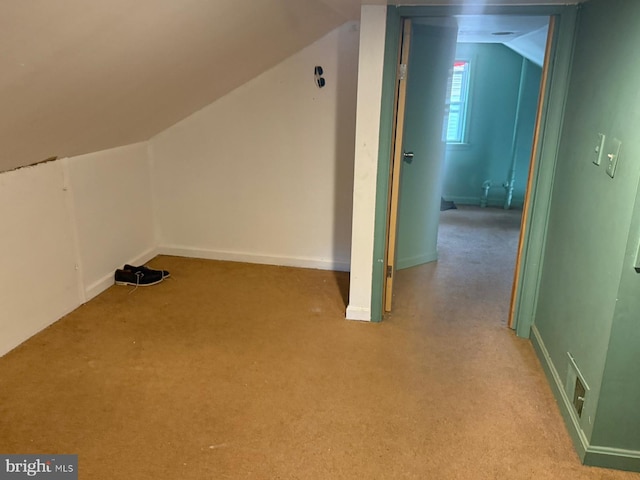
(79, 77)
(531, 45)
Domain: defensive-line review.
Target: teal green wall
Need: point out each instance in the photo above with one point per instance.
(618, 421)
(495, 80)
(588, 303)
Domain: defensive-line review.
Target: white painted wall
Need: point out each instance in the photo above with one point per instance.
(38, 278)
(370, 70)
(112, 207)
(64, 228)
(265, 173)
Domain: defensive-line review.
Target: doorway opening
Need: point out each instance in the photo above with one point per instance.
(488, 131)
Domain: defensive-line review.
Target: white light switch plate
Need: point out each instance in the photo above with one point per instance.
(613, 156)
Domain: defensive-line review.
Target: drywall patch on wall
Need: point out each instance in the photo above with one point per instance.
(267, 170)
(113, 214)
(38, 279)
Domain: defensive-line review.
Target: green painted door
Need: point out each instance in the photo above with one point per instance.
(431, 59)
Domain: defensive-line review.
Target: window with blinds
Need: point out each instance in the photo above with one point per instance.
(457, 103)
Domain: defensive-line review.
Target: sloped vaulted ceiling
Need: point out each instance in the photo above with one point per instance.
(79, 76)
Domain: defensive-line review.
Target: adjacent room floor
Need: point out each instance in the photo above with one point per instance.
(230, 371)
(473, 277)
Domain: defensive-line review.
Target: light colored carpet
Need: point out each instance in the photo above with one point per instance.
(232, 371)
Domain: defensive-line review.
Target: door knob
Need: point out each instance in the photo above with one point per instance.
(407, 157)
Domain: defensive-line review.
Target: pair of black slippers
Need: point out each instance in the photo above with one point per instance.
(142, 276)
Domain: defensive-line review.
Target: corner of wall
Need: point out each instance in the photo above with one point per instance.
(111, 192)
(264, 173)
(106, 280)
(151, 164)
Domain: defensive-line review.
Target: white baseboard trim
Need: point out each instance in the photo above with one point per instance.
(299, 262)
(417, 260)
(99, 286)
(362, 314)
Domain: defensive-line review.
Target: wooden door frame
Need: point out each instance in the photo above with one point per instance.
(396, 165)
(541, 175)
(526, 209)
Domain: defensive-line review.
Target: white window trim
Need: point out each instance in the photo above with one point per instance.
(464, 137)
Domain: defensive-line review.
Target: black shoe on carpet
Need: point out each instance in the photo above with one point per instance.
(145, 269)
(137, 279)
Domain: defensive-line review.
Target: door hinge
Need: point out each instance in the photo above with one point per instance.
(402, 71)
(389, 271)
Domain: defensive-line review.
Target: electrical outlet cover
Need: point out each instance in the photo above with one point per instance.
(613, 157)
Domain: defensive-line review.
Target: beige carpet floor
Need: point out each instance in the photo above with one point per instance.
(234, 371)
